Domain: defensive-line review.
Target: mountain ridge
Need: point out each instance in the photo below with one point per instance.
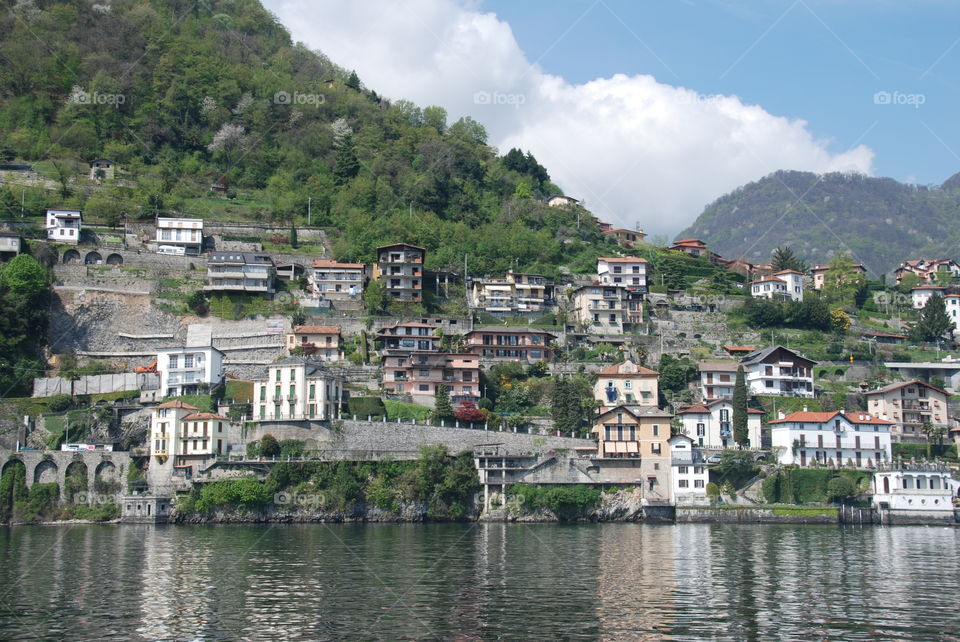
(879, 221)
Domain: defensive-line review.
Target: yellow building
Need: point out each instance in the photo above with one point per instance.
(632, 433)
(626, 383)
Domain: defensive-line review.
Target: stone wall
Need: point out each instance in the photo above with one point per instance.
(746, 515)
(393, 436)
(46, 467)
(95, 384)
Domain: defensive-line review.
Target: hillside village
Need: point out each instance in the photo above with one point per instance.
(202, 359)
(232, 275)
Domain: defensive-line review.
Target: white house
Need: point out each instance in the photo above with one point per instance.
(831, 438)
(688, 471)
(778, 371)
(63, 226)
(184, 370)
(922, 293)
(183, 440)
(710, 424)
(769, 287)
(630, 271)
(179, 235)
(914, 490)
(297, 389)
(717, 379)
(794, 281)
(952, 303)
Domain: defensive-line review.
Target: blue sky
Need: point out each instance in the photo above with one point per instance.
(820, 61)
(650, 110)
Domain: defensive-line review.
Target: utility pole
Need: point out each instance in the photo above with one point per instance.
(309, 209)
(23, 197)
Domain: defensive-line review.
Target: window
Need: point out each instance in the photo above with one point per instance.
(188, 361)
(263, 393)
(633, 433)
(698, 470)
(606, 433)
(701, 430)
(173, 361)
(656, 430)
(683, 483)
(276, 392)
(424, 387)
(293, 391)
(655, 449)
(628, 384)
(263, 412)
(683, 470)
(698, 483)
(313, 391)
(424, 373)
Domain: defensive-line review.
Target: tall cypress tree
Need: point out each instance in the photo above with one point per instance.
(740, 432)
(443, 409)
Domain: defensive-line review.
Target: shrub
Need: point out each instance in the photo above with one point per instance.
(59, 403)
(713, 492)
(364, 407)
(269, 446)
(291, 448)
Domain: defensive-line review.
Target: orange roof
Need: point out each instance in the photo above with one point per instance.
(177, 404)
(621, 259)
(327, 263)
(789, 272)
(768, 278)
(929, 287)
(690, 242)
(823, 417)
(614, 371)
(731, 348)
(204, 415)
(316, 329)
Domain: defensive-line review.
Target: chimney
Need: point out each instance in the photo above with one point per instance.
(781, 415)
(804, 408)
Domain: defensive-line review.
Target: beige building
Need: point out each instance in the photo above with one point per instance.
(297, 389)
(513, 295)
(607, 309)
(909, 405)
(400, 266)
(627, 383)
(336, 281)
(190, 438)
(318, 341)
(717, 379)
(638, 433)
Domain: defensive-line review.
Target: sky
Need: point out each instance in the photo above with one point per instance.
(649, 110)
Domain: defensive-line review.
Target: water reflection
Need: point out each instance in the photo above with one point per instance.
(473, 581)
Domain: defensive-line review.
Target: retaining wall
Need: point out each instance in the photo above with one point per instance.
(746, 515)
(45, 467)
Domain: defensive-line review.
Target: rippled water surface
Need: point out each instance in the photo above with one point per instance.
(479, 581)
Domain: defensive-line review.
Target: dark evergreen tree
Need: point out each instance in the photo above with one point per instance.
(443, 409)
(741, 433)
(347, 165)
(934, 322)
(784, 258)
(353, 81)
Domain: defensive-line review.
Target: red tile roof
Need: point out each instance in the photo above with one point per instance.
(327, 263)
(316, 329)
(177, 404)
(204, 415)
(768, 278)
(807, 417)
(614, 371)
(621, 259)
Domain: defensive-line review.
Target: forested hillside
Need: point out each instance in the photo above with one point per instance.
(184, 95)
(881, 221)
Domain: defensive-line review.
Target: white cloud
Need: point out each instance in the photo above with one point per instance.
(636, 150)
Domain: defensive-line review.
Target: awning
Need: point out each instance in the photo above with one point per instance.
(633, 447)
(621, 446)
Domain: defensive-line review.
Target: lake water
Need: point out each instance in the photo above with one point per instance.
(479, 581)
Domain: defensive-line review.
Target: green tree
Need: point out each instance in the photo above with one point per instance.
(353, 81)
(931, 433)
(842, 281)
(23, 275)
(374, 296)
(841, 489)
(436, 117)
(741, 433)
(9, 206)
(566, 406)
(293, 236)
(784, 258)
(269, 446)
(443, 409)
(934, 322)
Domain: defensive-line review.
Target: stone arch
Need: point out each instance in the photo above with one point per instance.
(106, 479)
(93, 257)
(115, 259)
(107, 471)
(840, 372)
(12, 463)
(46, 472)
(71, 256)
(76, 480)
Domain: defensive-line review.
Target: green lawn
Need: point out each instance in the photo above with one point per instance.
(241, 391)
(403, 410)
